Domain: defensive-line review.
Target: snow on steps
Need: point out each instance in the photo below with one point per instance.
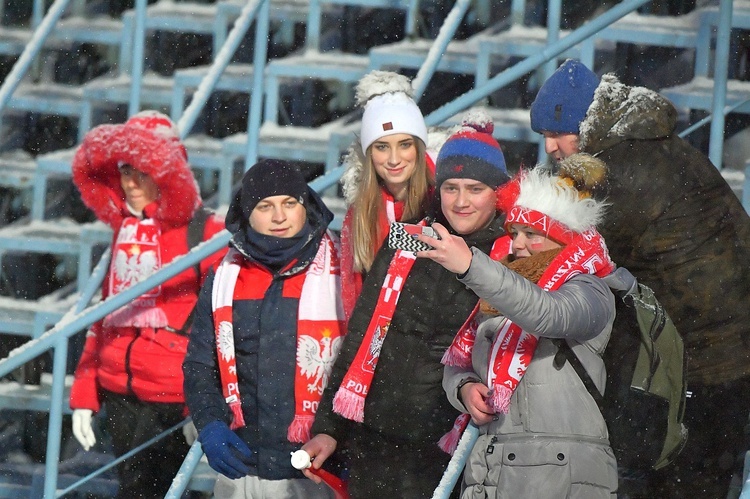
(698, 94)
(19, 396)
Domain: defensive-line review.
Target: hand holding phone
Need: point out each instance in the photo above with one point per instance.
(401, 236)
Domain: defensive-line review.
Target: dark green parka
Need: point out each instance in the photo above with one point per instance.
(675, 224)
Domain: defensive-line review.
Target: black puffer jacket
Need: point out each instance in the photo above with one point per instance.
(406, 401)
(675, 224)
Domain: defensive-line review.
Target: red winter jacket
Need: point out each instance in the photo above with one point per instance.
(143, 361)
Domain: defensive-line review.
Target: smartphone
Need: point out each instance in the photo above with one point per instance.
(401, 236)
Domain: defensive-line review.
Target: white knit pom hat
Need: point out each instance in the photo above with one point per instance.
(389, 108)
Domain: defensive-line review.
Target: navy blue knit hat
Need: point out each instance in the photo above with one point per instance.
(562, 102)
(472, 152)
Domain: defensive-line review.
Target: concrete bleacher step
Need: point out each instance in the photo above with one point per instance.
(510, 124)
(653, 30)
(20, 396)
(32, 317)
(61, 236)
(310, 144)
(698, 94)
(235, 78)
(460, 56)
(310, 64)
(156, 92)
(521, 41)
(13, 40)
(101, 30)
(48, 98)
(17, 169)
(182, 17)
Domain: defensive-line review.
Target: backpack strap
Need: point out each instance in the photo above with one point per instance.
(565, 353)
(197, 226)
(195, 229)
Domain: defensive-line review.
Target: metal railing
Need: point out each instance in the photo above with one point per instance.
(81, 317)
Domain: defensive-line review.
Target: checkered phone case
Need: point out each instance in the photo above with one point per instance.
(400, 236)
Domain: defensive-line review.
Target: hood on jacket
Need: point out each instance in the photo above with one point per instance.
(620, 112)
(148, 143)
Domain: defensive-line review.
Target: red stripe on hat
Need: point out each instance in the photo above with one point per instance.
(541, 222)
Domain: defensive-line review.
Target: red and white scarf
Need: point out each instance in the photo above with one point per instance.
(513, 348)
(136, 255)
(320, 331)
(349, 400)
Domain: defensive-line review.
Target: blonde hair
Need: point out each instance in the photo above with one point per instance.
(368, 206)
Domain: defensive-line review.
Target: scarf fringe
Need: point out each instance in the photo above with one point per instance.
(456, 357)
(134, 316)
(349, 405)
(499, 399)
(449, 442)
(238, 419)
(299, 430)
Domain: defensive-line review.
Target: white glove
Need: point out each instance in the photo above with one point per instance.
(190, 433)
(82, 429)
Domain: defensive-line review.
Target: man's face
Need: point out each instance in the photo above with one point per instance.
(560, 145)
(468, 205)
(281, 216)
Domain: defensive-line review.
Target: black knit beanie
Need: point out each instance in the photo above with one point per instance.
(271, 177)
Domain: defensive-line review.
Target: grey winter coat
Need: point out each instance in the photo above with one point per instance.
(675, 224)
(553, 443)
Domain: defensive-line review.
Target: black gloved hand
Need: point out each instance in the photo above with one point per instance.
(225, 451)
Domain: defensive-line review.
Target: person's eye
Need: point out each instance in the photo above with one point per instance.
(381, 147)
(407, 145)
(290, 204)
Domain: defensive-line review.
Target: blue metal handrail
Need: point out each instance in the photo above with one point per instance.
(437, 49)
(16, 358)
(182, 479)
(221, 61)
(716, 143)
(31, 50)
(531, 63)
(80, 319)
(125, 456)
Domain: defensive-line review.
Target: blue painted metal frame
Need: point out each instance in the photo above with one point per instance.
(716, 143)
(16, 74)
(57, 337)
(531, 63)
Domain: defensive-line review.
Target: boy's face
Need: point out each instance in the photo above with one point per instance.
(281, 216)
(140, 189)
(468, 205)
(560, 145)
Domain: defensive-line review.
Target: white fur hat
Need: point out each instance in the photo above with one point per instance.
(389, 108)
(558, 205)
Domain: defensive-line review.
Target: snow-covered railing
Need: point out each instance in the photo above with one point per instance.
(251, 10)
(31, 50)
(80, 319)
(531, 63)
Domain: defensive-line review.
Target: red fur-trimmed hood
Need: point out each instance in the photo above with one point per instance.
(149, 142)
